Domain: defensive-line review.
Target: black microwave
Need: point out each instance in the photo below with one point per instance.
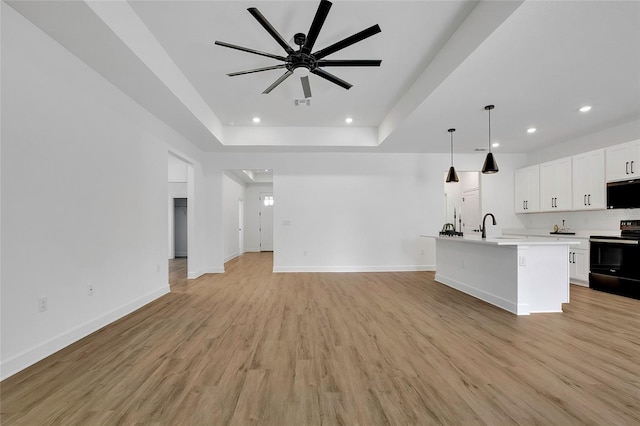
(623, 195)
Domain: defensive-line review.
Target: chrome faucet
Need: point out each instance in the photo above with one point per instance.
(484, 227)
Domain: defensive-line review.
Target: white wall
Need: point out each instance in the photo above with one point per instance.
(232, 192)
(177, 170)
(84, 193)
(365, 211)
(252, 215)
(614, 135)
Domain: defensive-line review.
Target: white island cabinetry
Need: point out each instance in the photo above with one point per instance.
(520, 275)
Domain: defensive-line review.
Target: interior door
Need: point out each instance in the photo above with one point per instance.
(266, 221)
(471, 211)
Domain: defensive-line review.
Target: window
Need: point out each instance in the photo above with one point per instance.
(268, 200)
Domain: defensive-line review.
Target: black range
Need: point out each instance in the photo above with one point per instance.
(615, 261)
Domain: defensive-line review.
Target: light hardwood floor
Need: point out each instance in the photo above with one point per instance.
(252, 347)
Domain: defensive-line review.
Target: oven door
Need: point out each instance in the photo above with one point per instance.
(615, 266)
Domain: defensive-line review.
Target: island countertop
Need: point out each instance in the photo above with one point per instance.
(506, 240)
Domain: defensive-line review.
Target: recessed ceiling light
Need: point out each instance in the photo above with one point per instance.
(256, 119)
(531, 130)
(348, 120)
(585, 108)
(495, 144)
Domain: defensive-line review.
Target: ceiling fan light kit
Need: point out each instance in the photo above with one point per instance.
(303, 59)
(490, 165)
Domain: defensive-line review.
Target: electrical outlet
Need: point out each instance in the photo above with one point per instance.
(523, 261)
(89, 289)
(42, 304)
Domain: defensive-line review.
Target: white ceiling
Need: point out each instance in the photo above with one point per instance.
(442, 62)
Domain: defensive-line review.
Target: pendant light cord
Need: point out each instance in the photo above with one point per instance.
(451, 148)
(489, 130)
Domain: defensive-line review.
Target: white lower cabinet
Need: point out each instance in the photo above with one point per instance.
(579, 266)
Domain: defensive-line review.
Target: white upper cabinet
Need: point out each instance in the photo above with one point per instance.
(588, 181)
(527, 190)
(555, 185)
(623, 161)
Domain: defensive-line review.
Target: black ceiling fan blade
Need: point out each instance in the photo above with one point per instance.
(306, 87)
(270, 29)
(246, 49)
(316, 25)
(274, 67)
(277, 82)
(332, 78)
(349, 62)
(375, 29)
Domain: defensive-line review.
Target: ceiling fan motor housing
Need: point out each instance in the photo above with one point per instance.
(299, 60)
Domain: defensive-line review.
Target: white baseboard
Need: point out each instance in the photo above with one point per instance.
(231, 257)
(19, 362)
(252, 250)
(192, 275)
(387, 268)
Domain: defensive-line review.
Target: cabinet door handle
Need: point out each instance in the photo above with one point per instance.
(626, 167)
(632, 172)
(589, 199)
(584, 201)
(574, 257)
(526, 205)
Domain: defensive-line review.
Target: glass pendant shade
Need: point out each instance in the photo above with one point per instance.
(490, 165)
(452, 176)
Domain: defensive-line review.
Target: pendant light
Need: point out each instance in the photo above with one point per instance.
(452, 176)
(490, 165)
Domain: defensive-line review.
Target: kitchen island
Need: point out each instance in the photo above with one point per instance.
(521, 275)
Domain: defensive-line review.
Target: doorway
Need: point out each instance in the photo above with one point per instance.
(462, 207)
(266, 221)
(180, 227)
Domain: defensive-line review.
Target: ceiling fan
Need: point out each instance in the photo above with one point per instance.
(303, 59)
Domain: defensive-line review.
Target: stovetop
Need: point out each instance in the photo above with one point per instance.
(629, 230)
(621, 237)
